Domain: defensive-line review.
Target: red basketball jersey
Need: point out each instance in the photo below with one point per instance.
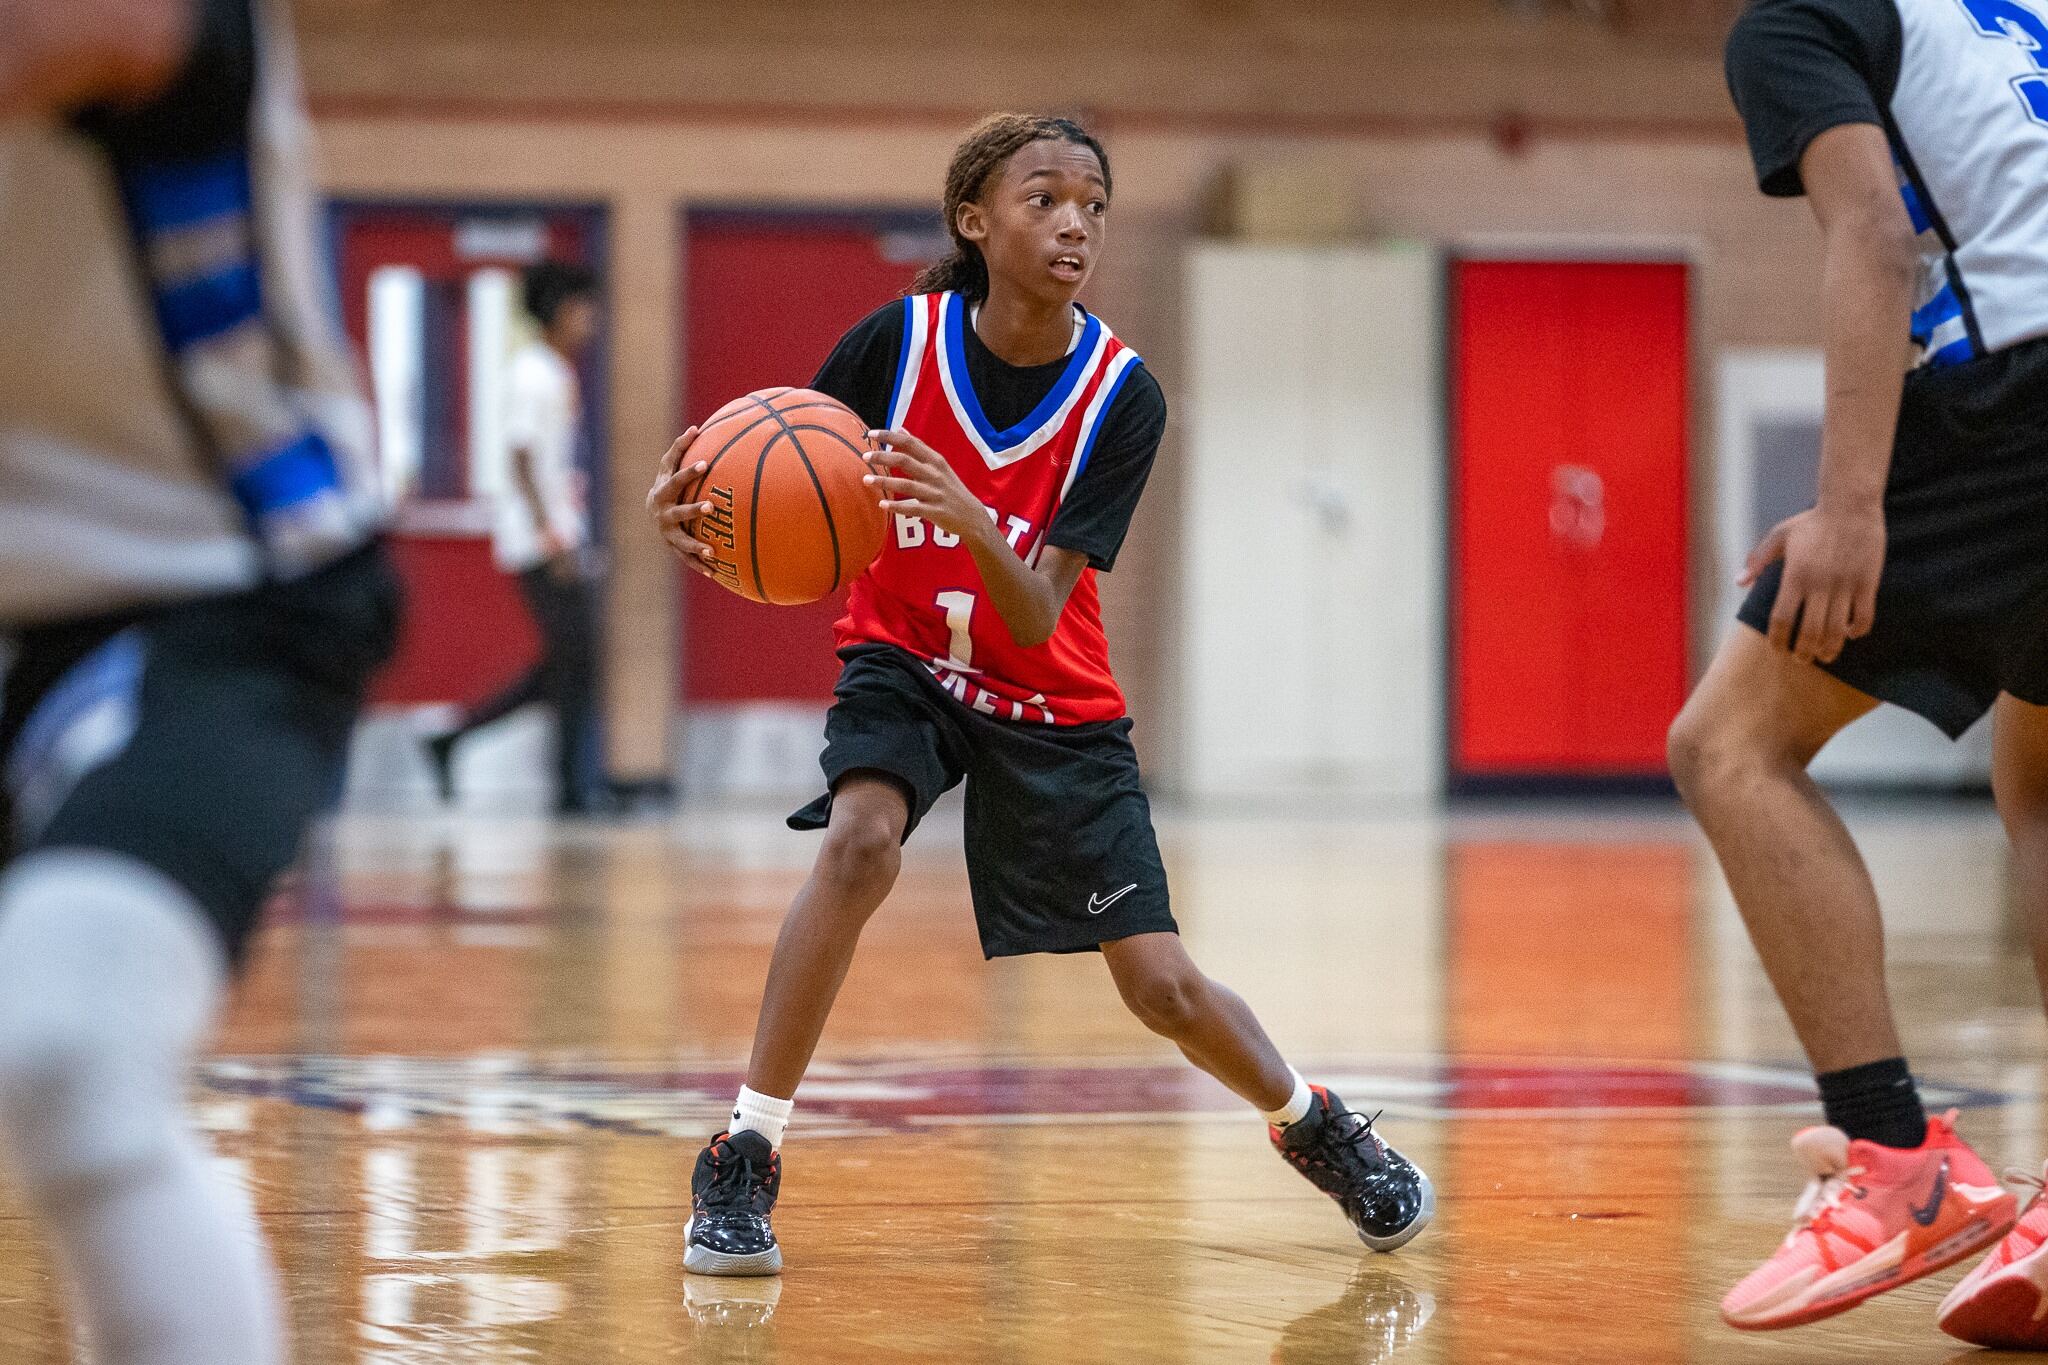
(924, 593)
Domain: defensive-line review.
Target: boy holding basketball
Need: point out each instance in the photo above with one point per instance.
(1019, 435)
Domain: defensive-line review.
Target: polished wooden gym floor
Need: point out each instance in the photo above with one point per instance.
(474, 1057)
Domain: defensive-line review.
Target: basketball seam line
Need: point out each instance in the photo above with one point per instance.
(705, 478)
(754, 508)
(754, 511)
(827, 431)
(824, 505)
(734, 440)
(794, 407)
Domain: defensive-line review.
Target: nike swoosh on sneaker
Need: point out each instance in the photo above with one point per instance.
(1098, 904)
(1928, 1212)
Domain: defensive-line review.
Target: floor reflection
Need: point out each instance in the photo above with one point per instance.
(466, 1076)
(732, 1321)
(1377, 1316)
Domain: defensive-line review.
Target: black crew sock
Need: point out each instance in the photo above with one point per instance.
(1877, 1102)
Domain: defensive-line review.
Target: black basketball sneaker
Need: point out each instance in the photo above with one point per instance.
(1383, 1194)
(732, 1194)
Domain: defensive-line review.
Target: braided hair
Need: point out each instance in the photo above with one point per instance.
(988, 145)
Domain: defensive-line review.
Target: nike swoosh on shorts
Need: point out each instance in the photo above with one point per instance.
(1098, 904)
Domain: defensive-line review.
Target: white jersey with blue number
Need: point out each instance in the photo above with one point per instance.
(1971, 110)
(1960, 88)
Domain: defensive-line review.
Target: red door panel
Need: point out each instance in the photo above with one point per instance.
(1569, 517)
(466, 630)
(766, 296)
(1637, 408)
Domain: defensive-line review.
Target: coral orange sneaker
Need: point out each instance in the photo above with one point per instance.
(1872, 1219)
(2004, 1301)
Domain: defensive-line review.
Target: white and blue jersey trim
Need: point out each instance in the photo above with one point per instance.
(1121, 367)
(1942, 326)
(910, 361)
(193, 223)
(1091, 421)
(1941, 331)
(167, 201)
(1000, 448)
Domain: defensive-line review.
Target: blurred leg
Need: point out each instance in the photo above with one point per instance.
(565, 612)
(109, 980)
(530, 686)
(524, 690)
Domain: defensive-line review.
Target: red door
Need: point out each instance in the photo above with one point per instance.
(766, 296)
(466, 630)
(1569, 425)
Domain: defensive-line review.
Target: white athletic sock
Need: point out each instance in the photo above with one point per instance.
(1297, 1106)
(109, 979)
(754, 1112)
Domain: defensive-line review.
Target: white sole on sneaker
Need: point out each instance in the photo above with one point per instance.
(1414, 1229)
(704, 1261)
(1799, 1301)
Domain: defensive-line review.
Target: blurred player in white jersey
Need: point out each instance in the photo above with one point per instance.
(191, 603)
(541, 534)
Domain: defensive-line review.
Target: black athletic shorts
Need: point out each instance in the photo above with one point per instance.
(1962, 609)
(200, 738)
(1061, 856)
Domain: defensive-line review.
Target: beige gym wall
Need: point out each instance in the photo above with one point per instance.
(1629, 143)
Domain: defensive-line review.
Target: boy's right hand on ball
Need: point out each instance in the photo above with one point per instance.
(675, 520)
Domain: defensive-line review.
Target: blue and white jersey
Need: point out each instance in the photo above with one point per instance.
(179, 413)
(1961, 89)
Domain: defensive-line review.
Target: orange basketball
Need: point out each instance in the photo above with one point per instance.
(790, 519)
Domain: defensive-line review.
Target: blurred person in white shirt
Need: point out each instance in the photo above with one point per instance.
(541, 533)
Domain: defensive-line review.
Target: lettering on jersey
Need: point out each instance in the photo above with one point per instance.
(715, 528)
(2015, 22)
(988, 703)
(911, 532)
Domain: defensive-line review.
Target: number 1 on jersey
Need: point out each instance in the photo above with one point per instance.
(959, 609)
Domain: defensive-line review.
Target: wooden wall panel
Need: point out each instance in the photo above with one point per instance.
(1328, 60)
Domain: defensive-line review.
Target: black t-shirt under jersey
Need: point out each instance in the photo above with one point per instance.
(1798, 68)
(861, 373)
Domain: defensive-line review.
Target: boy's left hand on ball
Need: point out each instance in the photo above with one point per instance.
(915, 481)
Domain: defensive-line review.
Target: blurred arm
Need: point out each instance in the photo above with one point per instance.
(57, 55)
(528, 485)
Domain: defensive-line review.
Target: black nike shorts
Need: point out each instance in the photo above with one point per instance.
(200, 738)
(1061, 856)
(1962, 609)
